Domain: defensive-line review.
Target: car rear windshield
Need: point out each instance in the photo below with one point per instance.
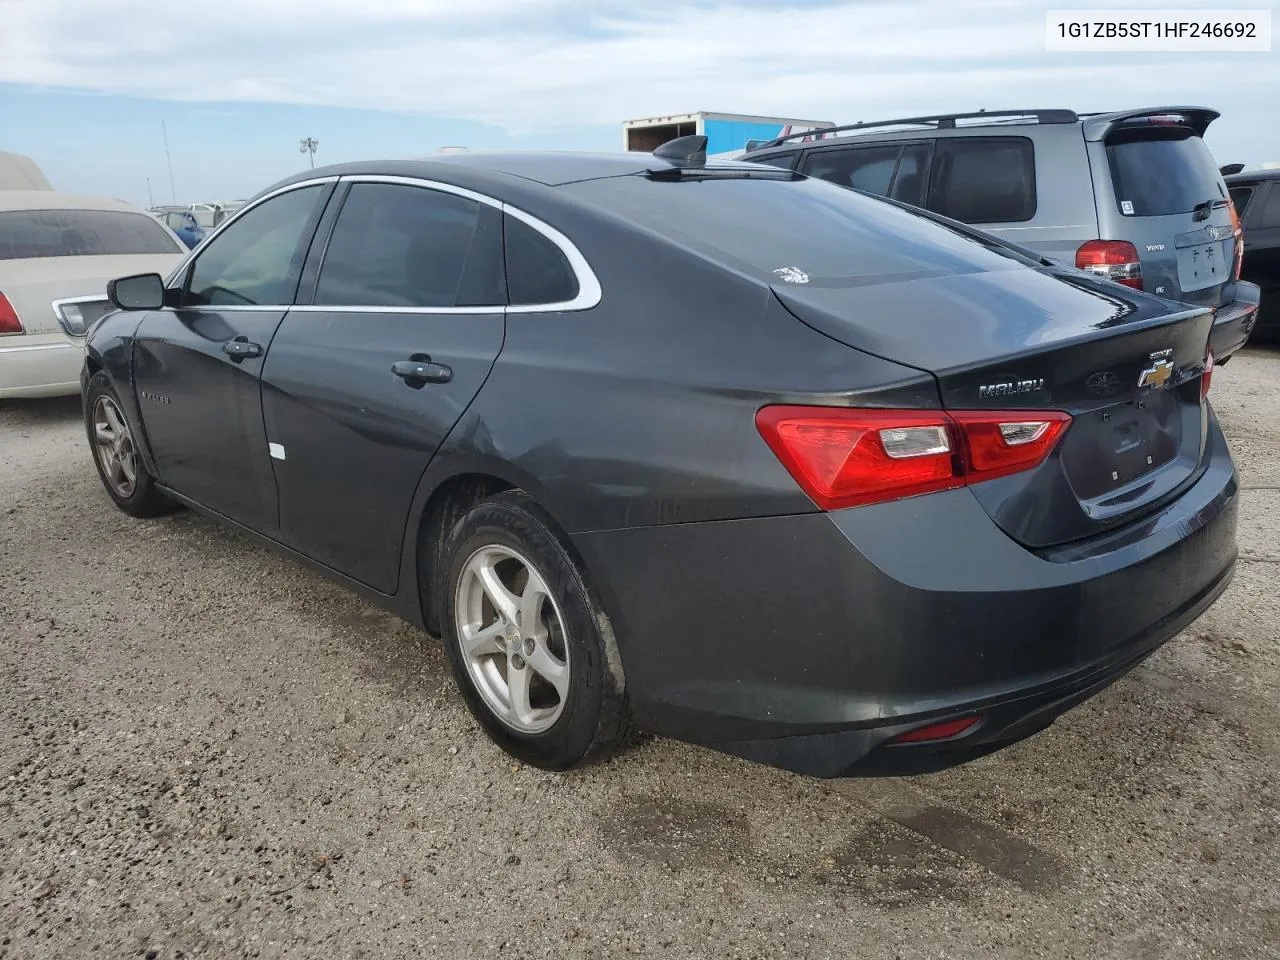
(793, 230)
(30, 234)
(1156, 177)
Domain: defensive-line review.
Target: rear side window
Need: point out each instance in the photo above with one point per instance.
(984, 179)
(1157, 177)
(1241, 196)
(537, 270)
(29, 234)
(398, 246)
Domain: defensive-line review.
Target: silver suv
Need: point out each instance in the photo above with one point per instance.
(1134, 196)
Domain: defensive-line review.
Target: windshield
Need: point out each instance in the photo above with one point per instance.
(795, 230)
(1162, 176)
(31, 234)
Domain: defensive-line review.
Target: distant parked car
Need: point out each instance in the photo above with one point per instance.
(1257, 199)
(184, 223)
(57, 253)
(1133, 196)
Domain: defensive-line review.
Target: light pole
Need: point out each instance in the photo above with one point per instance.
(308, 146)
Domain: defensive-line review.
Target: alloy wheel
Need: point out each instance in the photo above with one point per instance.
(512, 639)
(114, 448)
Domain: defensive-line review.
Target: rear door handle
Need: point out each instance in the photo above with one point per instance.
(240, 348)
(417, 372)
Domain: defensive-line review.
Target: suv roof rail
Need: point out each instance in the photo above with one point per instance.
(942, 121)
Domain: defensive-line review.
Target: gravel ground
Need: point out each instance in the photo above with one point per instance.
(208, 751)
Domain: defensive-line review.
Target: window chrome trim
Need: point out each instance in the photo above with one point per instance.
(195, 251)
(589, 290)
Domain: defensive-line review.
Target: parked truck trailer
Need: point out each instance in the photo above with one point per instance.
(725, 132)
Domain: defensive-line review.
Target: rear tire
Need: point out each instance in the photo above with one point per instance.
(116, 455)
(531, 650)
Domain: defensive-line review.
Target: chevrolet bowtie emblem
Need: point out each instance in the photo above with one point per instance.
(1156, 375)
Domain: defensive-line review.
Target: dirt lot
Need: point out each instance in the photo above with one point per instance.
(206, 750)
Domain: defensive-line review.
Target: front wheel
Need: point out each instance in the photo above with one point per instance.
(530, 648)
(116, 454)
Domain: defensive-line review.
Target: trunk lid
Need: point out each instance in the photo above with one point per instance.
(1126, 366)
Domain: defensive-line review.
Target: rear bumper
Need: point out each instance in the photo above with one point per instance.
(39, 366)
(809, 642)
(1233, 323)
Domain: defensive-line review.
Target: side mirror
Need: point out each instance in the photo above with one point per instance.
(145, 291)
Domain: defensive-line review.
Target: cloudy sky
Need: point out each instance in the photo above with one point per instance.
(85, 85)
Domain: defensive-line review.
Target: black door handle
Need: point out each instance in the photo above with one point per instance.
(239, 348)
(418, 372)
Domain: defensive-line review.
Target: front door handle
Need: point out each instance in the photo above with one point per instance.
(418, 372)
(240, 348)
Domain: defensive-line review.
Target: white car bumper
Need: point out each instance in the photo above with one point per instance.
(39, 366)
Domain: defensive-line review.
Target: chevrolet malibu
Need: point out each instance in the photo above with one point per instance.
(710, 450)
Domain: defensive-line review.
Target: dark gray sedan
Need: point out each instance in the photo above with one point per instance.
(714, 450)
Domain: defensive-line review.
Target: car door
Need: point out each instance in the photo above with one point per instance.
(363, 383)
(197, 362)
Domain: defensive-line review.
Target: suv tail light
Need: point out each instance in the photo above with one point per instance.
(848, 456)
(1238, 230)
(9, 322)
(1207, 376)
(1114, 259)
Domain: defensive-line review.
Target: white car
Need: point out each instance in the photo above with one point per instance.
(57, 253)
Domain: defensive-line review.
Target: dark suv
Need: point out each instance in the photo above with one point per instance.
(1256, 194)
(1134, 196)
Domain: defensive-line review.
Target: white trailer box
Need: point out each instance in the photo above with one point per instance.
(725, 132)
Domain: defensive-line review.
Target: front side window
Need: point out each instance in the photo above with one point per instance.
(32, 234)
(869, 169)
(984, 179)
(396, 245)
(256, 260)
(784, 160)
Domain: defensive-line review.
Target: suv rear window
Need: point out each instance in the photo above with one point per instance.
(783, 230)
(1160, 176)
(29, 234)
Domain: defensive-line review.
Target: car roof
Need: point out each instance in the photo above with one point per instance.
(1251, 176)
(548, 168)
(52, 200)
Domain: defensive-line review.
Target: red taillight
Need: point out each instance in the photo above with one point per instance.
(937, 731)
(1238, 231)
(999, 444)
(9, 322)
(848, 456)
(1114, 259)
(1207, 376)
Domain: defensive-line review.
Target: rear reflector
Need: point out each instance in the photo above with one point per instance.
(1113, 259)
(849, 456)
(937, 731)
(9, 322)
(1207, 376)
